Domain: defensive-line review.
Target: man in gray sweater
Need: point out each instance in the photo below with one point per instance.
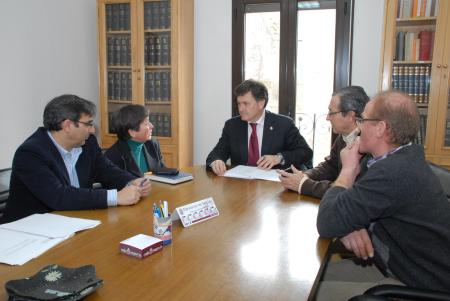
(395, 216)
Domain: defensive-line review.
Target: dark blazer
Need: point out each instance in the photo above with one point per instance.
(279, 136)
(323, 175)
(120, 154)
(40, 182)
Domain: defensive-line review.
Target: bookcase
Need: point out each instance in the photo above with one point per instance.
(146, 57)
(416, 58)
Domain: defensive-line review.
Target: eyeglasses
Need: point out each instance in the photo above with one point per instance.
(360, 120)
(89, 123)
(331, 113)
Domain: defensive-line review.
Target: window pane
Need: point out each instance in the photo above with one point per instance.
(315, 76)
(262, 48)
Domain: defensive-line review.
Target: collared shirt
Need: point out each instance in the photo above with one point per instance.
(374, 160)
(259, 130)
(70, 159)
(348, 139)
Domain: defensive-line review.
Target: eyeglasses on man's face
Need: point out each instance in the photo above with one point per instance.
(360, 120)
(331, 113)
(89, 123)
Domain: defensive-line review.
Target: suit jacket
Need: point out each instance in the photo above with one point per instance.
(279, 136)
(40, 182)
(120, 154)
(323, 175)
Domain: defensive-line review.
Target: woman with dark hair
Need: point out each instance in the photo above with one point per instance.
(134, 151)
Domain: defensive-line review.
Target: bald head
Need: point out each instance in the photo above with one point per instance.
(400, 114)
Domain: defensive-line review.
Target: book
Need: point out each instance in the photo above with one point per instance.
(425, 47)
(170, 179)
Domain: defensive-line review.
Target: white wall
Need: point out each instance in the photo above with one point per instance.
(212, 83)
(47, 48)
(367, 42)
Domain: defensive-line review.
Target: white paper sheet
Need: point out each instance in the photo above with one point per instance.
(50, 225)
(252, 172)
(17, 247)
(31, 236)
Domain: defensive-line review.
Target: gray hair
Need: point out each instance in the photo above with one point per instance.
(352, 99)
(64, 107)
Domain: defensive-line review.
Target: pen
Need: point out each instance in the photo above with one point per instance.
(166, 209)
(143, 182)
(288, 169)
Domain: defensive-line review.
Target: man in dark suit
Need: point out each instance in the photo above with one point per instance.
(345, 106)
(258, 137)
(54, 169)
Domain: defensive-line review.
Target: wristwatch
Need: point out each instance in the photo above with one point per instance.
(280, 156)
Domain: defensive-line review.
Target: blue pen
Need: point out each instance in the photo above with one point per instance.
(143, 181)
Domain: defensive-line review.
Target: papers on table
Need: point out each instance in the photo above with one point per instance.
(31, 236)
(252, 172)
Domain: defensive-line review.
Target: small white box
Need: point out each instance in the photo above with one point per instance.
(141, 246)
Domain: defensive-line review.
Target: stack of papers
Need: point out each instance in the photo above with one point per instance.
(31, 236)
(251, 172)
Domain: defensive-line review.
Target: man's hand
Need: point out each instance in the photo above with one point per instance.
(268, 161)
(350, 158)
(359, 243)
(129, 195)
(219, 167)
(291, 180)
(144, 185)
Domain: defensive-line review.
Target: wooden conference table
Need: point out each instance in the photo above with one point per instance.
(263, 246)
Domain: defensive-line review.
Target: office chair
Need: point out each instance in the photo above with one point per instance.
(5, 176)
(387, 291)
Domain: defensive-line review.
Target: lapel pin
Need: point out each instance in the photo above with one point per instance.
(271, 128)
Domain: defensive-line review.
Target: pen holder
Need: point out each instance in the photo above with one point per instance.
(162, 229)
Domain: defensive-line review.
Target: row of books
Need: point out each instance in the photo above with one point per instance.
(447, 133)
(162, 124)
(119, 85)
(157, 15)
(416, 8)
(119, 51)
(414, 80)
(420, 137)
(118, 16)
(157, 50)
(414, 46)
(157, 86)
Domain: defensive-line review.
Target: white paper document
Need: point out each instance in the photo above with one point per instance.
(31, 236)
(50, 225)
(252, 172)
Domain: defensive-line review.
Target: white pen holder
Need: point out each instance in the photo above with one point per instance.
(162, 229)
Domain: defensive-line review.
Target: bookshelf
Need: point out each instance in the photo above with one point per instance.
(416, 59)
(146, 57)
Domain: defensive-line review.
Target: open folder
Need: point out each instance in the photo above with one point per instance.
(252, 172)
(31, 236)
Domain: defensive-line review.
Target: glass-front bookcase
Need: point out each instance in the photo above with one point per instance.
(146, 57)
(415, 61)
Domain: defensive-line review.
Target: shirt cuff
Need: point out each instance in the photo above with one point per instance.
(304, 178)
(112, 198)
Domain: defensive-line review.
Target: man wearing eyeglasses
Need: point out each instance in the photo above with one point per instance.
(345, 106)
(55, 168)
(395, 217)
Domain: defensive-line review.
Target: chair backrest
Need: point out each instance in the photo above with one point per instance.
(444, 177)
(5, 176)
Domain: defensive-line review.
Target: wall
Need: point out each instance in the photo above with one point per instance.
(48, 48)
(212, 83)
(367, 43)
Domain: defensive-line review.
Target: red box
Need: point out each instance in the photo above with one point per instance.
(140, 246)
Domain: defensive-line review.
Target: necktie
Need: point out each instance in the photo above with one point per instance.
(253, 147)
